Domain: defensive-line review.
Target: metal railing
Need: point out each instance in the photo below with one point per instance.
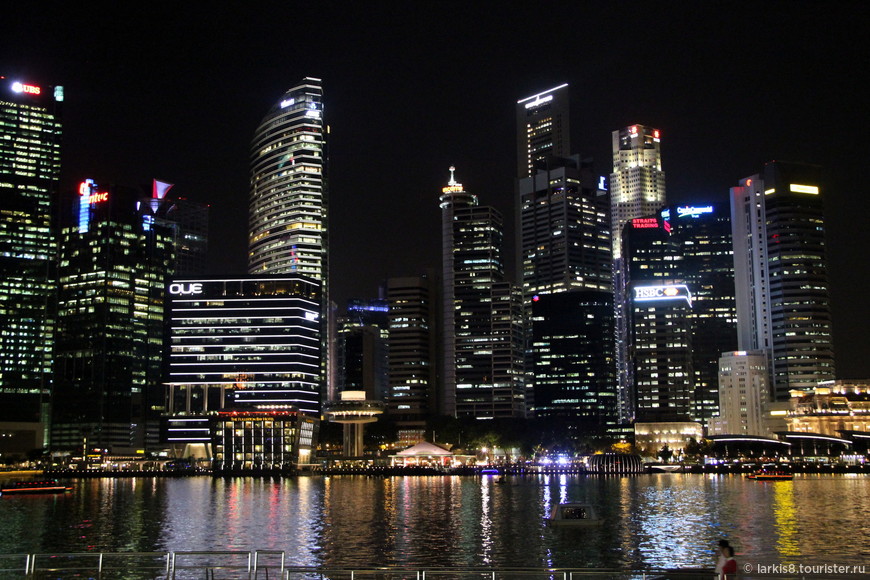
(272, 565)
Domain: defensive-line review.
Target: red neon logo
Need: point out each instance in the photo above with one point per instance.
(645, 223)
(29, 89)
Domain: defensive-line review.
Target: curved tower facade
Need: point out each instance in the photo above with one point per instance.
(287, 217)
(287, 221)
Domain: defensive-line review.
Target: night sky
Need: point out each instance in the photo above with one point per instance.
(174, 91)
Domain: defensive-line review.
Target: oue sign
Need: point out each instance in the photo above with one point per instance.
(191, 288)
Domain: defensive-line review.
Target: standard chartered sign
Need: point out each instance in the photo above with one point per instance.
(660, 293)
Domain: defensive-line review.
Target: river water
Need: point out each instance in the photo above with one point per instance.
(654, 520)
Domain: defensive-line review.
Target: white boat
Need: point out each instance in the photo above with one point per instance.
(573, 514)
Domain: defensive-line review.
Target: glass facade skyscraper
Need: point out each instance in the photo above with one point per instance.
(637, 189)
(781, 279)
(543, 128)
(413, 350)
(565, 229)
(30, 136)
(288, 209)
(483, 339)
(114, 263)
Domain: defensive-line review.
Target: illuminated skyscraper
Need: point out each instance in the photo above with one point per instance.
(288, 212)
(484, 342)
(30, 135)
(781, 278)
(637, 184)
(637, 189)
(413, 345)
(565, 229)
(115, 261)
(702, 235)
(543, 128)
(288, 208)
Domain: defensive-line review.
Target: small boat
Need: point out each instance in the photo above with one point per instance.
(772, 476)
(573, 514)
(770, 473)
(33, 487)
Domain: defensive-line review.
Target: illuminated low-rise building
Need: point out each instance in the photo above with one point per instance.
(262, 441)
(832, 408)
(650, 438)
(353, 411)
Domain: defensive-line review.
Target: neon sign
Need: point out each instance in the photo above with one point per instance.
(659, 293)
(451, 189)
(796, 188)
(192, 288)
(29, 89)
(89, 194)
(638, 223)
(539, 101)
(690, 211)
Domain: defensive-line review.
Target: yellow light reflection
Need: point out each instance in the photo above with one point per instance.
(785, 519)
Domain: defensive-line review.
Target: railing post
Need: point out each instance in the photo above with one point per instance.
(27, 564)
(100, 564)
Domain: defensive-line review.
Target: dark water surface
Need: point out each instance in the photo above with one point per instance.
(663, 520)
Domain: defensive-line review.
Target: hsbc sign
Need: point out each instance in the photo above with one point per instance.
(657, 293)
(186, 289)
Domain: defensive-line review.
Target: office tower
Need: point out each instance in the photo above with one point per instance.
(288, 211)
(743, 393)
(30, 135)
(564, 229)
(413, 346)
(637, 184)
(637, 189)
(543, 128)
(453, 200)
(288, 208)
(189, 221)
(483, 340)
(115, 260)
(661, 352)
(244, 343)
(702, 235)
(362, 349)
(573, 361)
(781, 278)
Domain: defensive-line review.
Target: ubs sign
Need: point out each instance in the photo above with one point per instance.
(190, 288)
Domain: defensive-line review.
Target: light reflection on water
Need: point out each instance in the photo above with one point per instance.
(666, 520)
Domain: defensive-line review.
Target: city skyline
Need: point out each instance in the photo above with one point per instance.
(405, 100)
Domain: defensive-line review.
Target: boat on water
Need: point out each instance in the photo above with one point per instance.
(573, 514)
(770, 475)
(34, 487)
(773, 476)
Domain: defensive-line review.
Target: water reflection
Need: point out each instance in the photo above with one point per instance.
(667, 520)
(786, 521)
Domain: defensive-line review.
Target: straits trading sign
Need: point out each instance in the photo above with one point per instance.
(662, 293)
